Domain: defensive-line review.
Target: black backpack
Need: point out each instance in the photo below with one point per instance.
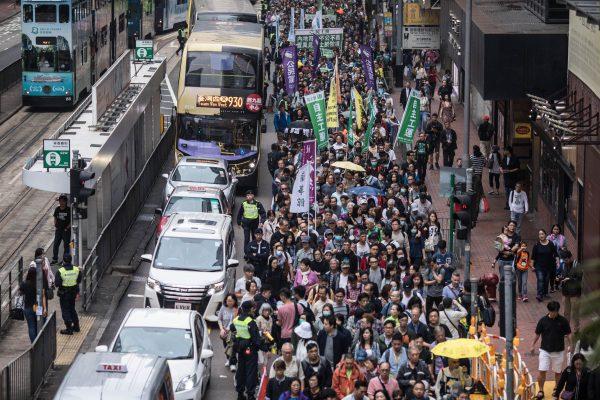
(488, 313)
(308, 313)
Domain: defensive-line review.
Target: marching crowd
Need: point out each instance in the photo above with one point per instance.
(349, 300)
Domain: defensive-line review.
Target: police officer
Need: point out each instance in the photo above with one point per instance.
(257, 253)
(181, 41)
(246, 344)
(250, 216)
(68, 279)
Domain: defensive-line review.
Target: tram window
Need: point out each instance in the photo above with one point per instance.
(27, 13)
(122, 22)
(63, 14)
(45, 13)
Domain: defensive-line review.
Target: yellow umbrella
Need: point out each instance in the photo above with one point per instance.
(348, 165)
(460, 348)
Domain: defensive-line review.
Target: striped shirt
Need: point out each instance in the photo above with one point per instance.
(477, 163)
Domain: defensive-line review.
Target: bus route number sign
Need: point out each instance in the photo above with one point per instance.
(216, 101)
(57, 153)
(144, 50)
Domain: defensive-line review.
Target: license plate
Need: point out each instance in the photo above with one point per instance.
(183, 306)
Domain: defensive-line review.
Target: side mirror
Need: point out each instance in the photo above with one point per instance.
(158, 211)
(232, 263)
(102, 349)
(166, 176)
(146, 257)
(206, 353)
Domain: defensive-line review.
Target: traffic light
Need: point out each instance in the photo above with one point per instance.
(463, 211)
(79, 194)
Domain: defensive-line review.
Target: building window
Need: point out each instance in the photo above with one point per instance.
(571, 205)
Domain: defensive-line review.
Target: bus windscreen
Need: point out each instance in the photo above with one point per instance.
(221, 70)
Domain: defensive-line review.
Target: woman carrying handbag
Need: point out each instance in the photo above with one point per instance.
(574, 381)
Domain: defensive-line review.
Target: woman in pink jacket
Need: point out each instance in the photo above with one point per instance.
(305, 276)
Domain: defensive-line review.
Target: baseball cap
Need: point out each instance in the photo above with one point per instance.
(328, 232)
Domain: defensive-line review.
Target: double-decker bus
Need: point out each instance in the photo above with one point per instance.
(219, 100)
(201, 11)
(170, 14)
(67, 45)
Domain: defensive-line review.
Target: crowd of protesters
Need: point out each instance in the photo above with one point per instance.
(354, 295)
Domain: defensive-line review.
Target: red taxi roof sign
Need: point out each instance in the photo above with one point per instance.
(110, 367)
(202, 160)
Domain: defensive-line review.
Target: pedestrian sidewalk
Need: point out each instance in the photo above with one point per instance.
(488, 227)
(8, 9)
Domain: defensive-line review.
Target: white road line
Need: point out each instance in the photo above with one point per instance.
(14, 179)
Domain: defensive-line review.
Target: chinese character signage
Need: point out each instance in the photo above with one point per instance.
(329, 38)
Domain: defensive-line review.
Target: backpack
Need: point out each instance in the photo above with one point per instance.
(488, 314)
(523, 260)
(308, 313)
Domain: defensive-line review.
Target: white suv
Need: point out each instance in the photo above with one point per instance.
(179, 336)
(193, 266)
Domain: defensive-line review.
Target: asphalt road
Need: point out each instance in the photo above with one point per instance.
(221, 386)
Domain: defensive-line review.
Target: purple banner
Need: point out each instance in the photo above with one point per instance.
(366, 56)
(289, 61)
(309, 156)
(317, 54)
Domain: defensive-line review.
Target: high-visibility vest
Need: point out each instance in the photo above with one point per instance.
(241, 327)
(69, 276)
(250, 210)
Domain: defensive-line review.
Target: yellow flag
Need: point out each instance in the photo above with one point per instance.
(332, 107)
(359, 107)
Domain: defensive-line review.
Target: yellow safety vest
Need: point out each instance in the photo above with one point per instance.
(241, 327)
(250, 210)
(69, 277)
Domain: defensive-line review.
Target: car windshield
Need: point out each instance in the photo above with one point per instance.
(170, 343)
(200, 174)
(193, 204)
(189, 254)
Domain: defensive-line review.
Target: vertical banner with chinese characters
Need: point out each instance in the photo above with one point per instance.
(372, 110)
(410, 119)
(316, 109)
(332, 106)
(301, 192)
(360, 108)
(289, 61)
(292, 34)
(316, 53)
(351, 137)
(309, 156)
(366, 57)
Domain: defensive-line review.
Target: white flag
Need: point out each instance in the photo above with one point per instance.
(301, 22)
(301, 192)
(317, 22)
(292, 32)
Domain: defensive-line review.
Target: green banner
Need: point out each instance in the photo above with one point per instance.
(316, 109)
(410, 119)
(372, 116)
(330, 38)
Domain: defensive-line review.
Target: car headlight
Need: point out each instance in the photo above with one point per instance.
(216, 287)
(153, 284)
(187, 383)
(178, 156)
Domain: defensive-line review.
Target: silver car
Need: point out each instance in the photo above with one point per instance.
(207, 172)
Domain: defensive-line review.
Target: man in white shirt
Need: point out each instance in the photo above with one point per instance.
(240, 284)
(518, 205)
(360, 388)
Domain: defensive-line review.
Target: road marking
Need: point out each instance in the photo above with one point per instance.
(13, 180)
(223, 376)
(136, 295)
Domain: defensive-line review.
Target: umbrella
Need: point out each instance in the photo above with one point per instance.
(460, 348)
(365, 191)
(348, 165)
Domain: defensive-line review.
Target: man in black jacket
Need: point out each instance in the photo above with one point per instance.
(257, 253)
(415, 370)
(332, 344)
(316, 364)
(405, 94)
(279, 383)
(448, 139)
(509, 167)
(485, 131)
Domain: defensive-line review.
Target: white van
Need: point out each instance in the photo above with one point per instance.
(193, 266)
(117, 376)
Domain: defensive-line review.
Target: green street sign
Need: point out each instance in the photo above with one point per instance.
(57, 153)
(144, 50)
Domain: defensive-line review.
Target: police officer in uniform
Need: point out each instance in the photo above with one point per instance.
(68, 279)
(246, 344)
(250, 216)
(257, 253)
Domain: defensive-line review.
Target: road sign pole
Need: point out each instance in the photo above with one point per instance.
(39, 287)
(74, 220)
(451, 234)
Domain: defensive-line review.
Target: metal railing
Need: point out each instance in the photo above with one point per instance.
(23, 377)
(9, 286)
(111, 237)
